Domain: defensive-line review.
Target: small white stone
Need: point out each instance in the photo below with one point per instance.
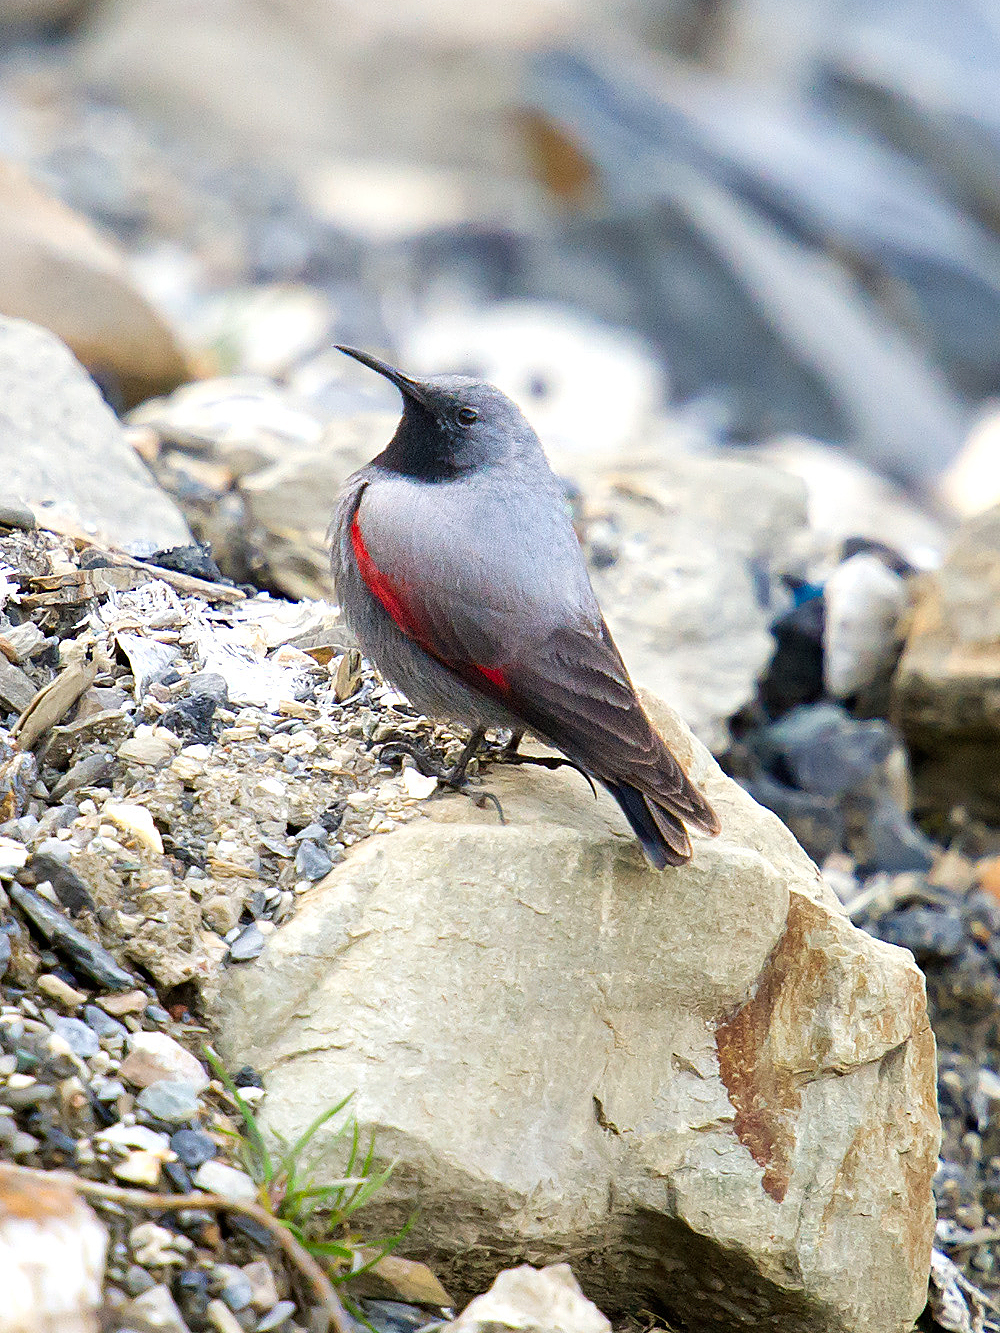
(360, 800)
(60, 991)
(186, 769)
(154, 1055)
(148, 746)
(138, 1168)
(218, 1178)
(137, 1136)
(417, 786)
(12, 857)
(136, 821)
(156, 1309)
(154, 1246)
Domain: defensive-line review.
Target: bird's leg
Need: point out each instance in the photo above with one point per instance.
(510, 754)
(455, 777)
(457, 780)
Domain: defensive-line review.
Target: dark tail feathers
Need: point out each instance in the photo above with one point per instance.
(662, 835)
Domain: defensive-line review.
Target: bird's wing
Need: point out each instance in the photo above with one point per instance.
(575, 691)
(519, 621)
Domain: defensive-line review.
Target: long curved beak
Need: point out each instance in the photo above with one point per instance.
(410, 387)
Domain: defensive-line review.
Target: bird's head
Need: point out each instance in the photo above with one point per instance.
(451, 424)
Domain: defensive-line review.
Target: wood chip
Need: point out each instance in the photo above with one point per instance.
(121, 574)
(348, 679)
(51, 704)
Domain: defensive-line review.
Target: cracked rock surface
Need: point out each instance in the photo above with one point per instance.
(706, 1078)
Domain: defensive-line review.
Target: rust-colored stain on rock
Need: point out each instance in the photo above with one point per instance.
(764, 1096)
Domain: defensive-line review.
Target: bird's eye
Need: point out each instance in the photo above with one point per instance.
(467, 415)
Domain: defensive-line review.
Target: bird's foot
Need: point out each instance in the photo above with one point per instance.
(510, 754)
(455, 778)
(392, 752)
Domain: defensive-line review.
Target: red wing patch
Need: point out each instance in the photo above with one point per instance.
(392, 597)
(493, 674)
(380, 587)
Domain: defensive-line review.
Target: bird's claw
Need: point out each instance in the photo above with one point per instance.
(550, 761)
(455, 779)
(480, 799)
(393, 751)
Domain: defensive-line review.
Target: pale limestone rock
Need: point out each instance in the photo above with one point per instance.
(229, 1181)
(62, 451)
(945, 689)
(703, 1088)
(682, 599)
(153, 1056)
(157, 1309)
(137, 822)
(60, 272)
(52, 1250)
(530, 1300)
(865, 603)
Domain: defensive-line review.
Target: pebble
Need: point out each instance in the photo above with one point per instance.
(313, 833)
(107, 1028)
(282, 1311)
(191, 1289)
(139, 1168)
(192, 718)
(137, 1280)
(247, 945)
(311, 861)
(174, 1101)
(132, 1002)
(13, 856)
(136, 821)
(135, 1136)
(146, 748)
(5, 954)
(155, 1308)
(22, 1144)
(22, 1095)
(109, 1090)
(193, 1147)
(156, 1247)
(94, 771)
(418, 786)
(13, 515)
(222, 1318)
(53, 849)
(263, 1289)
(60, 991)
(155, 1056)
(229, 1181)
(236, 1289)
(86, 954)
(81, 1039)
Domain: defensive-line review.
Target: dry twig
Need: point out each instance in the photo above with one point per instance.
(336, 1317)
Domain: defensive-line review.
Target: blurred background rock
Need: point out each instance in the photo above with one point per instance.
(739, 262)
(783, 215)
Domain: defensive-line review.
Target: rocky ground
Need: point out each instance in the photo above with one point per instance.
(205, 843)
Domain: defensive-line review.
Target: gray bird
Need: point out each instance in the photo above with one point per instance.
(458, 569)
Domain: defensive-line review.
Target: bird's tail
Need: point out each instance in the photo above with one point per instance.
(658, 825)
